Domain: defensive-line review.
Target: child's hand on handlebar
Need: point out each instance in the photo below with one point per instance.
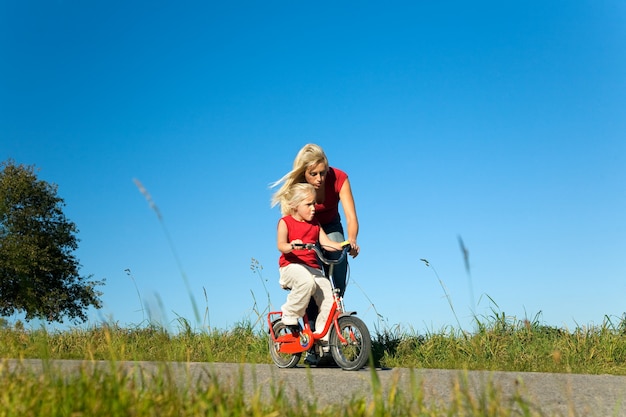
(299, 244)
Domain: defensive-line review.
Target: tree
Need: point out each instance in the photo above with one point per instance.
(39, 274)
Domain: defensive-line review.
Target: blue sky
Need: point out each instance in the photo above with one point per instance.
(499, 123)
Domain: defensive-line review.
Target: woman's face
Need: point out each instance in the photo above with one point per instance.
(316, 174)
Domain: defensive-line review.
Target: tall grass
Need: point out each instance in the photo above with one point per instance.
(150, 343)
(508, 344)
(500, 343)
(114, 391)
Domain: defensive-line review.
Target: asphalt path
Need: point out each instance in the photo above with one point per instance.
(552, 394)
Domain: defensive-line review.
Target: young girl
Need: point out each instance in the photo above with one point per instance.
(299, 268)
(332, 186)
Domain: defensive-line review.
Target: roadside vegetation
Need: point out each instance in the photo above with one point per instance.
(499, 343)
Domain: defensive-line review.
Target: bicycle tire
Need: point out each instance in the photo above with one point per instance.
(282, 360)
(356, 353)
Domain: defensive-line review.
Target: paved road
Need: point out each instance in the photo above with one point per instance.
(553, 394)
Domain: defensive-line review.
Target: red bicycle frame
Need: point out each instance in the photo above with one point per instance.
(304, 339)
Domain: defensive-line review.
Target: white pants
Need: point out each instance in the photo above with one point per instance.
(305, 282)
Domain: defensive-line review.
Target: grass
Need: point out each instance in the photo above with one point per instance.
(507, 344)
(500, 343)
(115, 392)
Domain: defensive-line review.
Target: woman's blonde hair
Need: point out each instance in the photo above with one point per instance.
(295, 195)
(309, 155)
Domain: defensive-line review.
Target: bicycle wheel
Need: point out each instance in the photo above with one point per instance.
(353, 355)
(282, 360)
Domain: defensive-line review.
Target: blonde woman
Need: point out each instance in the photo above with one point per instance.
(332, 187)
(299, 268)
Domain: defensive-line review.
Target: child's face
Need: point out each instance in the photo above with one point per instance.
(306, 209)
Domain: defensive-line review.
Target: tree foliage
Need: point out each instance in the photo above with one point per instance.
(39, 274)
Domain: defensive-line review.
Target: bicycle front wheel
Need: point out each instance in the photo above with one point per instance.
(354, 354)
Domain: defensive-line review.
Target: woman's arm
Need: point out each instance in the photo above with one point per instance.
(352, 221)
(326, 243)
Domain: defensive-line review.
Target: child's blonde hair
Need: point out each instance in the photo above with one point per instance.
(310, 155)
(295, 195)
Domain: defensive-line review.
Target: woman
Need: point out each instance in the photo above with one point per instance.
(332, 186)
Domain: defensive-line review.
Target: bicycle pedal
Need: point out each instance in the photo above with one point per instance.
(311, 358)
(322, 350)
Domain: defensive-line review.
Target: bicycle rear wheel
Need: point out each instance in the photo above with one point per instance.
(282, 360)
(353, 355)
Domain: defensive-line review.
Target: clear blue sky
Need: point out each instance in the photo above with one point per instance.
(502, 123)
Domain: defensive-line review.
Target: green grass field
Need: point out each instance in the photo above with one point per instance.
(499, 343)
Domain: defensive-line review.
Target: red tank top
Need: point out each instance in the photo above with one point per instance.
(328, 211)
(307, 232)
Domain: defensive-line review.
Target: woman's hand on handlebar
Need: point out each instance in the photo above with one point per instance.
(354, 248)
(347, 246)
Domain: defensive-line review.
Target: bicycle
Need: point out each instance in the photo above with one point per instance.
(350, 344)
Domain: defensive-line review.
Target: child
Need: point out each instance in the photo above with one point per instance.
(299, 268)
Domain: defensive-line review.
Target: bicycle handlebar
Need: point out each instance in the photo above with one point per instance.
(312, 246)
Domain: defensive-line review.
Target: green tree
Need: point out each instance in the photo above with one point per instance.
(39, 274)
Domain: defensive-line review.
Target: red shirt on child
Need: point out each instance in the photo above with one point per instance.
(307, 232)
